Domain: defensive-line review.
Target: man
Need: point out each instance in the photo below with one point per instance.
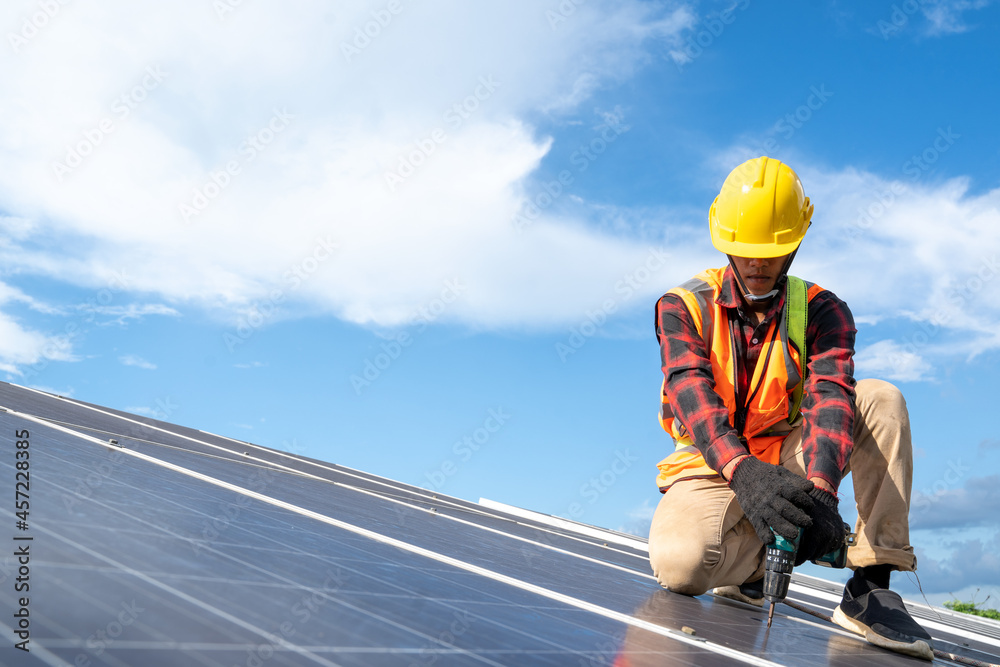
(757, 448)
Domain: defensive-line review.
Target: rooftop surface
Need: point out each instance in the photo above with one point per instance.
(149, 543)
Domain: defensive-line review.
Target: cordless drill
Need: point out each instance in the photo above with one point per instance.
(780, 557)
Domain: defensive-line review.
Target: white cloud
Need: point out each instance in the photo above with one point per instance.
(137, 361)
(310, 224)
(943, 504)
(22, 346)
(10, 293)
(946, 16)
(888, 360)
(132, 311)
(922, 255)
(196, 87)
(970, 562)
(918, 255)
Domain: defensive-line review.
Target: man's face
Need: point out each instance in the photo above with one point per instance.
(759, 274)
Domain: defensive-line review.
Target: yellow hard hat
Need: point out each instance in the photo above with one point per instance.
(761, 211)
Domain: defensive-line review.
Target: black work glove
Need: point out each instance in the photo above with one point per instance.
(772, 497)
(826, 533)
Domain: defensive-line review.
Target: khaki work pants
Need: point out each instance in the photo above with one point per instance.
(700, 538)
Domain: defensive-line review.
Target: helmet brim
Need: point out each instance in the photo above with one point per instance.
(756, 250)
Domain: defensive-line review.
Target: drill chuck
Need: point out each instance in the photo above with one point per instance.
(779, 559)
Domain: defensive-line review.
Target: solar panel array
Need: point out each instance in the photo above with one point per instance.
(149, 543)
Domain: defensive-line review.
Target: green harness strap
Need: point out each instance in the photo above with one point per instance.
(797, 316)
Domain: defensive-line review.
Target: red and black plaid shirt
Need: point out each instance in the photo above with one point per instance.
(828, 395)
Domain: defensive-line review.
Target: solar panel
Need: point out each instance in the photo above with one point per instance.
(155, 544)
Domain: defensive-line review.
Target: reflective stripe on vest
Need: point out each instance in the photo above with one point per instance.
(776, 376)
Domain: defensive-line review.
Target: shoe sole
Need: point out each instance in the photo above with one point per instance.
(917, 649)
(733, 593)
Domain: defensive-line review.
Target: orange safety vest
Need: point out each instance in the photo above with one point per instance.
(777, 374)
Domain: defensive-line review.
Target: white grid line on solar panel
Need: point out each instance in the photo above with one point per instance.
(148, 599)
(299, 587)
(296, 585)
(205, 646)
(628, 570)
(597, 609)
(145, 595)
(121, 567)
(39, 652)
(522, 539)
(597, 533)
(454, 608)
(377, 495)
(237, 441)
(269, 636)
(433, 511)
(120, 532)
(391, 498)
(568, 524)
(417, 491)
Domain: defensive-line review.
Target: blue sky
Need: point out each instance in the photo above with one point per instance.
(425, 239)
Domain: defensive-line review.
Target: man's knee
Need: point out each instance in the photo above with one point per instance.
(880, 395)
(680, 567)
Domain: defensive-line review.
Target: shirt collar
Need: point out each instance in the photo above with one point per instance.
(730, 296)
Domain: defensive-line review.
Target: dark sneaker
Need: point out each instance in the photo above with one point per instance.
(751, 593)
(881, 618)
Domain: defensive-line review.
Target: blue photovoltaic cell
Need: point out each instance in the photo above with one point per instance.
(133, 563)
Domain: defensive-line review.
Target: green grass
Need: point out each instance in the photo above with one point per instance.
(973, 607)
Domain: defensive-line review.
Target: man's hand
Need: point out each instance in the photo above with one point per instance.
(827, 531)
(772, 497)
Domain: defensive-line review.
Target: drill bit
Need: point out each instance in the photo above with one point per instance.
(770, 614)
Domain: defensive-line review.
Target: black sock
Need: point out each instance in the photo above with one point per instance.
(869, 578)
